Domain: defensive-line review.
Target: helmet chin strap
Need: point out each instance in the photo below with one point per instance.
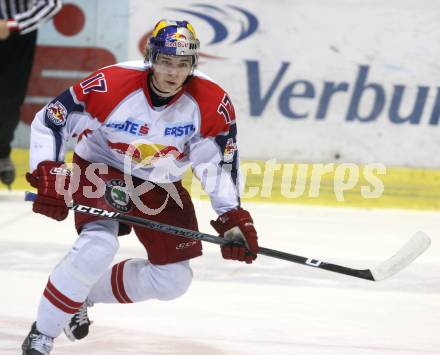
(160, 92)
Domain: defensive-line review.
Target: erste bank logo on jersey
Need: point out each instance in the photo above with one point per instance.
(179, 130)
(130, 126)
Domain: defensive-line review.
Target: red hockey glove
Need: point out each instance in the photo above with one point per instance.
(237, 227)
(48, 201)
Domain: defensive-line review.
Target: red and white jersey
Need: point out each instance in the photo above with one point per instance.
(112, 116)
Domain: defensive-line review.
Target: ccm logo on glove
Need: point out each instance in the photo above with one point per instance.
(237, 227)
(48, 201)
(60, 171)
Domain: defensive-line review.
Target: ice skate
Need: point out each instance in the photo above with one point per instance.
(78, 327)
(37, 343)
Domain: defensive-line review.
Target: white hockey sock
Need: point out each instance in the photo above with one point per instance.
(136, 280)
(71, 280)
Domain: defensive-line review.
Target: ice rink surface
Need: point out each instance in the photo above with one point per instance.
(272, 307)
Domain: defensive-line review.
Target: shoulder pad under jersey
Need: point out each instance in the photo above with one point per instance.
(103, 90)
(216, 109)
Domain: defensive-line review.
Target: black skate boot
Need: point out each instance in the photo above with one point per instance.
(37, 343)
(7, 171)
(78, 327)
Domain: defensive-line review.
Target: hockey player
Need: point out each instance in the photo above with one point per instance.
(139, 127)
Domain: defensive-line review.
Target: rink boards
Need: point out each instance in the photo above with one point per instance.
(332, 184)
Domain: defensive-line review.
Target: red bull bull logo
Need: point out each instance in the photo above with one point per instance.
(175, 36)
(123, 148)
(176, 40)
(56, 113)
(146, 154)
(230, 148)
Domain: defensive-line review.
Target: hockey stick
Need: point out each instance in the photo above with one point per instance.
(407, 254)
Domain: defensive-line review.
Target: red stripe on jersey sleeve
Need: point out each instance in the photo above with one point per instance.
(103, 90)
(216, 109)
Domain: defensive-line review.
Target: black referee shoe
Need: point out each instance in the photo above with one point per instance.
(7, 171)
